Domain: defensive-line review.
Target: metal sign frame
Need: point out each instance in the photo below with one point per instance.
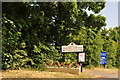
(72, 47)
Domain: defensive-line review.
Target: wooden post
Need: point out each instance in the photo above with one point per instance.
(81, 67)
(104, 66)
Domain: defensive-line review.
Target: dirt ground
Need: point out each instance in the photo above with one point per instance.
(87, 73)
(104, 73)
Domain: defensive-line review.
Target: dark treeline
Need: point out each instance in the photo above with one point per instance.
(33, 33)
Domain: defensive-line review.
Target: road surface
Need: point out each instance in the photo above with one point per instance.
(103, 73)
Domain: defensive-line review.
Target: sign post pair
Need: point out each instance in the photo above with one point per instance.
(72, 47)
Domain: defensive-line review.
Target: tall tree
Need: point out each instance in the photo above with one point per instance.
(40, 24)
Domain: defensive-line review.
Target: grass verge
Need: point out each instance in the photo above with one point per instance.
(41, 74)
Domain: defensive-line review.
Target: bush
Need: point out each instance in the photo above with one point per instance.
(41, 67)
(49, 62)
(90, 67)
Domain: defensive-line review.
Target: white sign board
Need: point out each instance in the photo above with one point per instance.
(81, 57)
(72, 47)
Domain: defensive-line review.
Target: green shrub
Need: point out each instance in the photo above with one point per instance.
(90, 67)
(41, 67)
(49, 62)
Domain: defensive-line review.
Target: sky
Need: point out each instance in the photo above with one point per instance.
(110, 12)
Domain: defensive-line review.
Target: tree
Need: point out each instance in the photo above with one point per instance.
(110, 46)
(40, 24)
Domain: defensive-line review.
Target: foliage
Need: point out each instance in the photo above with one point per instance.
(90, 67)
(33, 33)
